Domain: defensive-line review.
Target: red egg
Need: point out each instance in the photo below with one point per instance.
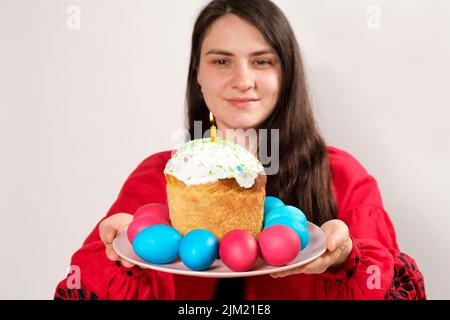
(238, 250)
(142, 222)
(154, 209)
(279, 245)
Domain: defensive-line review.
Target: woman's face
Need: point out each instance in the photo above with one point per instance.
(236, 63)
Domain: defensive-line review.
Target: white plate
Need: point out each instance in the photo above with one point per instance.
(313, 250)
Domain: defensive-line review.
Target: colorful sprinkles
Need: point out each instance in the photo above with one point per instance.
(202, 161)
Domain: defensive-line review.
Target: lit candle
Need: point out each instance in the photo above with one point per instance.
(213, 127)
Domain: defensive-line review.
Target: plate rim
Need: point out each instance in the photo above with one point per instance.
(218, 274)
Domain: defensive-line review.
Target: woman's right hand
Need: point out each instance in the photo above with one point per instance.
(108, 230)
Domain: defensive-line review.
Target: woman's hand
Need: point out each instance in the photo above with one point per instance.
(339, 246)
(108, 230)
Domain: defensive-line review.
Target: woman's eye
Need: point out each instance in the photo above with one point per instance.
(263, 62)
(220, 62)
(258, 62)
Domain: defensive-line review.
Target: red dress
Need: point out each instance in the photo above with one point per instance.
(375, 269)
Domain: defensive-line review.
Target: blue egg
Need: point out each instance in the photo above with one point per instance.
(286, 211)
(271, 203)
(198, 249)
(157, 244)
(295, 224)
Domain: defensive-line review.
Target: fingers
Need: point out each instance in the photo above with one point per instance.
(107, 234)
(111, 254)
(109, 227)
(287, 273)
(321, 264)
(318, 266)
(337, 243)
(336, 232)
(123, 220)
(108, 230)
(126, 264)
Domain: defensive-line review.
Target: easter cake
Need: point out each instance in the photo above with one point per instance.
(215, 185)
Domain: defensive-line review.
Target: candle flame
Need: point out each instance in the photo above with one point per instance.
(213, 127)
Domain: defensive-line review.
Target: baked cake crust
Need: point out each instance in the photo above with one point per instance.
(219, 206)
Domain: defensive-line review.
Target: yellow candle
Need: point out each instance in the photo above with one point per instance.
(213, 127)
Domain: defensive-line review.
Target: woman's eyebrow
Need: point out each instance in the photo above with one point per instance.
(227, 53)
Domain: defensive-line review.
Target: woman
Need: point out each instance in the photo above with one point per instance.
(246, 69)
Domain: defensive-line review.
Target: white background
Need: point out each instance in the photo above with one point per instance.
(80, 109)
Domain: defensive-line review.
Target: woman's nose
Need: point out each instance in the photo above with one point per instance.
(243, 78)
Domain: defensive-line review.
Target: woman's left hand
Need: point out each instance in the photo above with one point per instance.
(339, 246)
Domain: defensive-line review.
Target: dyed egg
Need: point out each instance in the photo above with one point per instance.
(238, 250)
(157, 244)
(271, 203)
(286, 211)
(278, 245)
(198, 249)
(293, 223)
(157, 209)
(140, 223)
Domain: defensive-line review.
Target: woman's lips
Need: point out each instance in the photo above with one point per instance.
(242, 103)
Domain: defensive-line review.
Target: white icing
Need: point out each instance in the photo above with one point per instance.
(202, 161)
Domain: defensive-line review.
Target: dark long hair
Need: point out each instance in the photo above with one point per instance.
(304, 177)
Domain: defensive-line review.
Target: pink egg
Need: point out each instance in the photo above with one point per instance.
(238, 250)
(279, 245)
(142, 222)
(154, 209)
